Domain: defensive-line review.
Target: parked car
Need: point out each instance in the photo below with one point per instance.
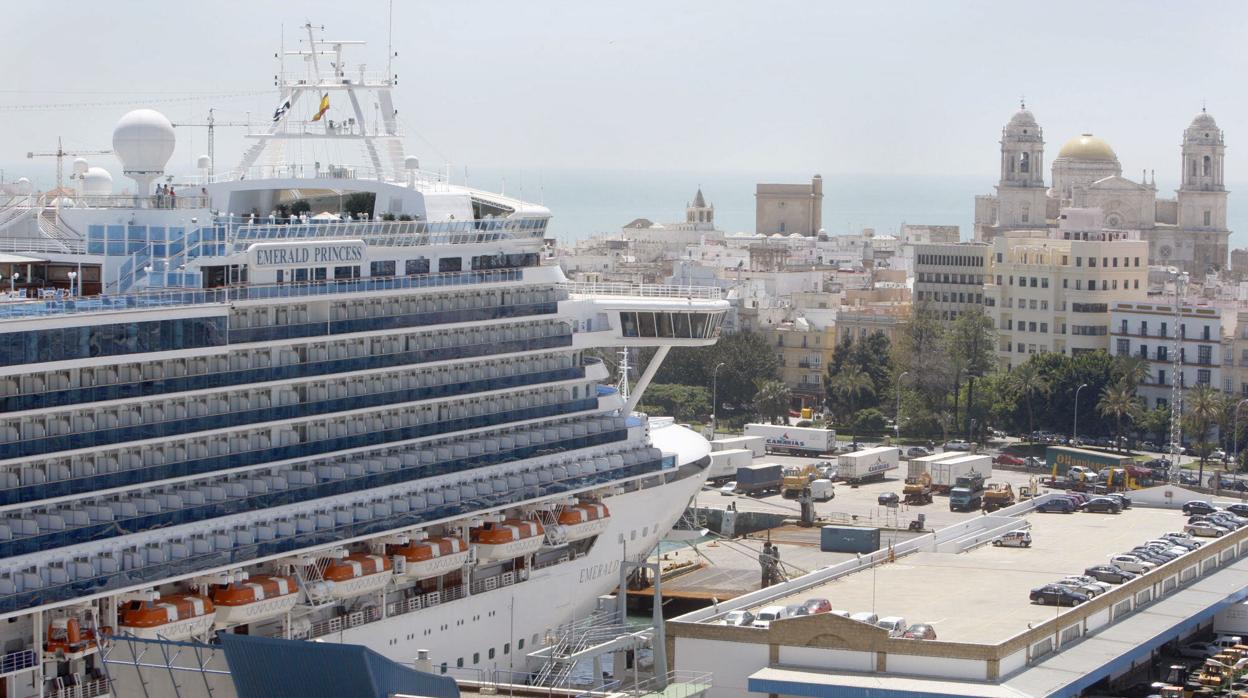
(957, 446)
(1033, 463)
(1061, 505)
(795, 609)
(1155, 554)
(917, 452)
(1110, 573)
(1089, 580)
(1227, 519)
(1182, 539)
(743, 618)
(768, 615)
(1078, 497)
(1057, 595)
(728, 488)
(1008, 459)
(814, 606)
(920, 631)
(1014, 539)
(1217, 454)
(1199, 650)
(1186, 478)
(865, 617)
(895, 625)
(1238, 509)
(1102, 505)
(1132, 563)
(1207, 529)
(1198, 506)
(1085, 589)
(1081, 472)
(1123, 500)
(1184, 545)
(888, 498)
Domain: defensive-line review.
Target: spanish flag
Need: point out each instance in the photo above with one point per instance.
(323, 108)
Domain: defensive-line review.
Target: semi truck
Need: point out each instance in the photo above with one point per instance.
(967, 493)
(731, 443)
(923, 464)
(759, 479)
(797, 441)
(724, 464)
(867, 465)
(945, 473)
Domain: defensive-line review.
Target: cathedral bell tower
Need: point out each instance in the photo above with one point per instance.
(1021, 194)
(1202, 196)
(700, 212)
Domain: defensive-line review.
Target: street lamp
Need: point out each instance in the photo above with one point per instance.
(715, 398)
(13, 282)
(1074, 429)
(897, 414)
(72, 275)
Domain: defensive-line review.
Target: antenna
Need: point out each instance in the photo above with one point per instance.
(390, 43)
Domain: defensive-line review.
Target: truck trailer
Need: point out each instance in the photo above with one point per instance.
(797, 441)
(945, 473)
(724, 464)
(867, 465)
(759, 479)
(923, 464)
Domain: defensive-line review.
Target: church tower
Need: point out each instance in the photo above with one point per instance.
(1202, 194)
(699, 212)
(1022, 196)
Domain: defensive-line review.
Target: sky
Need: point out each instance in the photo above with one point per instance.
(695, 86)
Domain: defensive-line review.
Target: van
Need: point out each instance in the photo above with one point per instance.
(865, 617)
(1014, 539)
(767, 615)
(895, 625)
(821, 490)
(1225, 642)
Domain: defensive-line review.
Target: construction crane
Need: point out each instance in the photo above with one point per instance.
(60, 154)
(211, 124)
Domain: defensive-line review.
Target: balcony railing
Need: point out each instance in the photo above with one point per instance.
(642, 290)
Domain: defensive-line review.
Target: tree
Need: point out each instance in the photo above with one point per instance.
(771, 401)
(870, 356)
(1155, 423)
(1029, 382)
(921, 352)
(1118, 401)
(869, 421)
(1131, 371)
(746, 357)
(1204, 405)
(849, 387)
(687, 403)
(974, 340)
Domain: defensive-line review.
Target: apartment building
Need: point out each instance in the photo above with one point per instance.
(1148, 330)
(804, 350)
(949, 278)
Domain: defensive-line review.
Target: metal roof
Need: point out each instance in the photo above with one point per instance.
(263, 667)
(815, 683)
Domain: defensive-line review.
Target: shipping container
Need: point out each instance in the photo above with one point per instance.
(867, 465)
(756, 444)
(922, 464)
(946, 472)
(849, 539)
(799, 441)
(724, 464)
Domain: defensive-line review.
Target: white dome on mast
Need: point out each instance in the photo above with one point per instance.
(143, 140)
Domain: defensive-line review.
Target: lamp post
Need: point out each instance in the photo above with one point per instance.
(1235, 432)
(1074, 428)
(715, 398)
(13, 282)
(897, 414)
(72, 276)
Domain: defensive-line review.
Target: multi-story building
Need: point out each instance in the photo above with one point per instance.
(1054, 293)
(949, 278)
(789, 208)
(1148, 330)
(804, 350)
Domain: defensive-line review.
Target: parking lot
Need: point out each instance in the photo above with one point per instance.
(982, 595)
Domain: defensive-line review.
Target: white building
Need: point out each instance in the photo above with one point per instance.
(1147, 330)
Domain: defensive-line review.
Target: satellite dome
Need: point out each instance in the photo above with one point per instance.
(80, 166)
(411, 162)
(143, 140)
(24, 186)
(203, 162)
(97, 182)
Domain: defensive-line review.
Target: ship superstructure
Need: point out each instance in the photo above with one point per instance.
(314, 401)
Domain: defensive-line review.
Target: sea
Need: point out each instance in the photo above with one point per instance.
(588, 202)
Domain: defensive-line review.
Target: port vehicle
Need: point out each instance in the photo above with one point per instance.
(967, 493)
(867, 465)
(1206, 529)
(1061, 505)
(1057, 595)
(768, 615)
(739, 617)
(917, 452)
(888, 499)
(1198, 506)
(1090, 590)
(957, 446)
(1132, 563)
(1110, 573)
(796, 478)
(917, 490)
(729, 487)
(1014, 539)
(814, 606)
(920, 631)
(865, 617)
(998, 496)
(763, 478)
(895, 625)
(945, 473)
(1008, 459)
(1102, 505)
(796, 441)
(724, 463)
(822, 490)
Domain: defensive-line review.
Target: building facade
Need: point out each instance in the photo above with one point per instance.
(949, 278)
(1148, 330)
(789, 208)
(804, 351)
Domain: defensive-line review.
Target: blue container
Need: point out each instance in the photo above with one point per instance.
(849, 539)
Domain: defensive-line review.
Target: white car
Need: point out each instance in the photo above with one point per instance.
(1087, 580)
(739, 618)
(1206, 529)
(768, 615)
(728, 488)
(1086, 473)
(1131, 563)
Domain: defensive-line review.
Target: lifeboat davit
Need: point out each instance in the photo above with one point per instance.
(357, 573)
(508, 539)
(432, 557)
(254, 599)
(170, 617)
(581, 521)
(67, 639)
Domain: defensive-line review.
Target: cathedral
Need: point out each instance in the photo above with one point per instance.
(1188, 231)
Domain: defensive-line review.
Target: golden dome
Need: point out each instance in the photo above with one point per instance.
(1087, 147)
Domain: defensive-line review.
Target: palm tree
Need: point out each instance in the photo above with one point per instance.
(1118, 400)
(772, 400)
(1029, 381)
(1204, 407)
(851, 385)
(1132, 371)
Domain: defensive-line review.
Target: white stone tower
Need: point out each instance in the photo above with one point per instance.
(1202, 196)
(699, 211)
(1021, 190)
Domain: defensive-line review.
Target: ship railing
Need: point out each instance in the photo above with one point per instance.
(499, 679)
(248, 231)
(38, 244)
(89, 689)
(21, 660)
(129, 201)
(675, 684)
(641, 290)
(373, 614)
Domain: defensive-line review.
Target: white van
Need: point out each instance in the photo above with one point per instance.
(895, 625)
(822, 490)
(767, 615)
(865, 617)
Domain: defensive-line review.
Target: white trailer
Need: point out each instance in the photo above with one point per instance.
(923, 464)
(724, 464)
(755, 444)
(945, 473)
(867, 465)
(1232, 620)
(799, 441)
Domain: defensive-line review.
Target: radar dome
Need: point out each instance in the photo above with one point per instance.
(411, 162)
(80, 166)
(24, 186)
(203, 162)
(97, 182)
(143, 140)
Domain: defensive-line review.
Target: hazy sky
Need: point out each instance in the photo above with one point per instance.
(698, 86)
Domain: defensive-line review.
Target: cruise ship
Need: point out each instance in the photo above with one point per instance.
(324, 395)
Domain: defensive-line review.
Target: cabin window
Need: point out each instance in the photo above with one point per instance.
(450, 264)
(382, 268)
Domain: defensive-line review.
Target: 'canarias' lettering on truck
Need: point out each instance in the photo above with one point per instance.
(784, 440)
(879, 465)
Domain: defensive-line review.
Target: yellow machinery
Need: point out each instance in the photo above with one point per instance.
(998, 496)
(796, 478)
(918, 490)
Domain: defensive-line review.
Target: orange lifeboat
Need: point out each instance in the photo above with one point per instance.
(355, 574)
(169, 617)
(581, 521)
(432, 557)
(67, 639)
(253, 599)
(508, 539)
